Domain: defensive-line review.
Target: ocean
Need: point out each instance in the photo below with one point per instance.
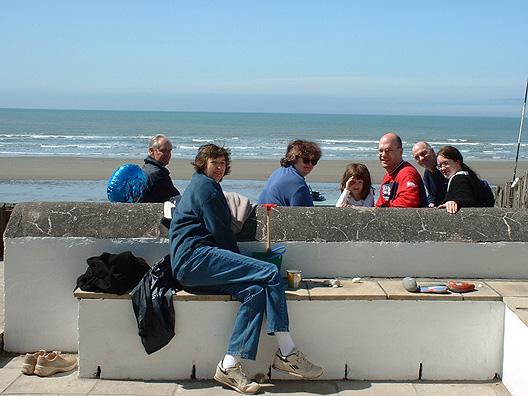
(248, 135)
(100, 134)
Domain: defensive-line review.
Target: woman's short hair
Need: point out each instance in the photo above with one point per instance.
(211, 151)
(301, 148)
(360, 172)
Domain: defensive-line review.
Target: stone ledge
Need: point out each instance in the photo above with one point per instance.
(367, 289)
(103, 220)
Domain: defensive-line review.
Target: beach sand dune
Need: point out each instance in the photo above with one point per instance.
(327, 171)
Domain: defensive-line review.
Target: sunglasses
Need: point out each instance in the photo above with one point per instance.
(307, 160)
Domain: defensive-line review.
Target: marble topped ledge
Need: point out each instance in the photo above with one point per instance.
(313, 289)
(105, 220)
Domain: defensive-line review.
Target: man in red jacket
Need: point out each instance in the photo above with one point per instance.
(402, 185)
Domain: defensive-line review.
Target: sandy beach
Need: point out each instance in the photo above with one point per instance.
(327, 171)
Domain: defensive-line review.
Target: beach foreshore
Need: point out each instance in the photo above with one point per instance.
(327, 171)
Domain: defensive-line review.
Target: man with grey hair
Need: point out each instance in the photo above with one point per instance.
(434, 181)
(159, 183)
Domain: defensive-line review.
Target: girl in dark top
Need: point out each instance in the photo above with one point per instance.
(463, 186)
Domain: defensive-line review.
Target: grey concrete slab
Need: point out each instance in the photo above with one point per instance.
(509, 288)
(363, 290)
(61, 383)
(466, 389)
(120, 387)
(353, 388)
(396, 291)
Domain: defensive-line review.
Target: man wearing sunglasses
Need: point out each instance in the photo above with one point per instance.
(286, 186)
(434, 181)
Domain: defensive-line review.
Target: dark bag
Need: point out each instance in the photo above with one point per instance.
(152, 303)
(113, 273)
(487, 199)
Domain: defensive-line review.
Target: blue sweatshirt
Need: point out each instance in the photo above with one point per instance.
(202, 218)
(286, 187)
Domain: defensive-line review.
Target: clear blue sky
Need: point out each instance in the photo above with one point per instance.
(358, 57)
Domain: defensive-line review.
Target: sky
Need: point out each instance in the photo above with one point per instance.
(337, 57)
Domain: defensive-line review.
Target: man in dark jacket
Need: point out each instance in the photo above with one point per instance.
(159, 183)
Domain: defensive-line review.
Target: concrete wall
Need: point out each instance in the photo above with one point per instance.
(359, 339)
(515, 353)
(47, 244)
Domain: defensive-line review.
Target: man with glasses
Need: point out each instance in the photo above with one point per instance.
(434, 181)
(402, 185)
(286, 186)
(159, 183)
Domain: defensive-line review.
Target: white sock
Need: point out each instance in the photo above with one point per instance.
(285, 341)
(230, 361)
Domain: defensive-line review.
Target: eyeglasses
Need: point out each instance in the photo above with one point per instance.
(307, 160)
(443, 165)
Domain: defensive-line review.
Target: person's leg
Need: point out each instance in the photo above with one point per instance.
(258, 285)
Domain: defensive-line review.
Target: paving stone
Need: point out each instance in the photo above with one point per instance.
(466, 389)
(396, 291)
(61, 383)
(354, 388)
(510, 288)
(122, 387)
(364, 290)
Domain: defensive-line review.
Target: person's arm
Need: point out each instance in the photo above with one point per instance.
(302, 197)
(460, 194)
(217, 219)
(431, 198)
(342, 199)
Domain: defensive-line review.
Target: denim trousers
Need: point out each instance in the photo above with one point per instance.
(257, 284)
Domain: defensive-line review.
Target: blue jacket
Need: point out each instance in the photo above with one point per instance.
(286, 187)
(436, 186)
(202, 218)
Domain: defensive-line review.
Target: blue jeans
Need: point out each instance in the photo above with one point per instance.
(257, 284)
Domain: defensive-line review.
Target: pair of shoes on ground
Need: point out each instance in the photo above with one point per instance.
(44, 364)
(295, 364)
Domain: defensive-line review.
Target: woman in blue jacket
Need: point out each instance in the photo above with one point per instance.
(205, 257)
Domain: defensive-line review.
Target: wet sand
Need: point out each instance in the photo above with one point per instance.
(327, 171)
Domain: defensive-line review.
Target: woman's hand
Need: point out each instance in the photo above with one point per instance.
(451, 206)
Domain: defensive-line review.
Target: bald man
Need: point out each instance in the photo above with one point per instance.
(402, 185)
(434, 181)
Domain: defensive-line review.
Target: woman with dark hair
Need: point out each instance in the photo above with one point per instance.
(463, 187)
(356, 187)
(205, 257)
(286, 186)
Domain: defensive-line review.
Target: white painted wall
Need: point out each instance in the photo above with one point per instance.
(515, 376)
(397, 259)
(377, 340)
(40, 273)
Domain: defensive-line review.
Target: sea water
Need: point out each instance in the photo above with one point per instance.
(126, 134)
(248, 135)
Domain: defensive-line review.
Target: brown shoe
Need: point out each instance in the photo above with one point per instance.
(54, 363)
(30, 361)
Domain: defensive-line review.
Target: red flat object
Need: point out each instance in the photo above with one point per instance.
(459, 286)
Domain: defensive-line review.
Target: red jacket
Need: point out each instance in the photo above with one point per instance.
(403, 187)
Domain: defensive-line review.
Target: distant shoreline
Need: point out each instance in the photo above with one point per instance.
(327, 171)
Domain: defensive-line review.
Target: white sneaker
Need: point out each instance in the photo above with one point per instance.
(296, 364)
(235, 378)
